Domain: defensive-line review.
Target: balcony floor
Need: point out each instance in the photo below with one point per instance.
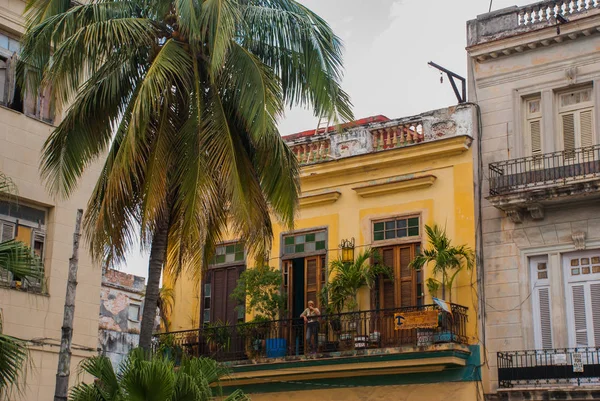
(357, 365)
(548, 195)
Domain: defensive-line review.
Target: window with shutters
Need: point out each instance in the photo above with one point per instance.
(38, 105)
(540, 295)
(533, 129)
(25, 224)
(406, 287)
(582, 272)
(576, 120)
(217, 304)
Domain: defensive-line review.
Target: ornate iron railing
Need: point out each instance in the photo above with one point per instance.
(571, 366)
(514, 175)
(336, 333)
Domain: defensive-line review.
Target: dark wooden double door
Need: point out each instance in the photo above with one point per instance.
(219, 306)
(405, 290)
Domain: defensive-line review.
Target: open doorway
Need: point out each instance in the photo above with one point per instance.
(303, 280)
(297, 291)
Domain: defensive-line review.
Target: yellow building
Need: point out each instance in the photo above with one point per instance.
(378, 182)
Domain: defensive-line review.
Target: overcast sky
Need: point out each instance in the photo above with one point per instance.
(387, 46)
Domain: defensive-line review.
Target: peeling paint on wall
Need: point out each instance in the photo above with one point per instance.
(121, 300)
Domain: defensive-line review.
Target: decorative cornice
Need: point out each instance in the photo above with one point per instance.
(541, 37)
(394, 185)
(321, 198)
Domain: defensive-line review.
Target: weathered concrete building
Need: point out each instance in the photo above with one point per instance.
(121, 303)
(534, 71)
(34, 311)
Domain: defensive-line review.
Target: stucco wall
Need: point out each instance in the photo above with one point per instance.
(414, 392)
(30, 316)
(118, 332)
(498, 85)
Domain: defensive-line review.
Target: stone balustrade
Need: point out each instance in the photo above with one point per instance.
(384, 135)
(516, 20)
(547, 10)
(312, 152)
(396, 136)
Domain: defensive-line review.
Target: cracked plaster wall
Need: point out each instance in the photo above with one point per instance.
(117, 333)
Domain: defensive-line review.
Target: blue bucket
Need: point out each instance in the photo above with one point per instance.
(276, 347)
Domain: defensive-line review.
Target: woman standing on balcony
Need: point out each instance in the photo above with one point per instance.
(311, 319)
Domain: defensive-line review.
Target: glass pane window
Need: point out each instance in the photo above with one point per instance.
(34, 216)
(134, 313)
(229, 253)
(396, 228)
(308, 242)
(10, 44)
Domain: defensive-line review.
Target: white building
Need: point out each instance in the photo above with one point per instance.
(535, 73)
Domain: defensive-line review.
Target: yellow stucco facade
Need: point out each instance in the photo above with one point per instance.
(411, 392)
(357, 184)
(431, 179)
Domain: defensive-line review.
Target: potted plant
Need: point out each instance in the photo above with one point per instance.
(346, 279)
(218, 337)
(447, 261)
(254, 335)
(169, 349)
(258, 291)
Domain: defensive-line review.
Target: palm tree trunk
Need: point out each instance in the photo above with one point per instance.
(61, 390)
(444, 286)
(158, 253)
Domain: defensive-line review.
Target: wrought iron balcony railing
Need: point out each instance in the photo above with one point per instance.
(548, 367)
(510, 176)
(336, 333)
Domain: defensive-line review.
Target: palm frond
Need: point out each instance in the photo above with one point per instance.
(7, 187)
(19, 259)
(84, 133)
(447, 260)
(218, 23)
(303, 50)
(107, 384)
(13, 363)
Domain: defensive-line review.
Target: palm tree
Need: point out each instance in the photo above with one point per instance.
(447, 260)
(18, 259)
(350, 277)
(166, 302)
(184, 98)
(152, 378)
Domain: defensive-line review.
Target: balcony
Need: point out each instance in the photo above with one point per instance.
(339, 335)
(363, 343)
(535, 373)
(529, 182)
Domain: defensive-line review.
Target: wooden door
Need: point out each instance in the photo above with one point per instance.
(314, 273)
(390, 294)
(406, 287)
(223, 307)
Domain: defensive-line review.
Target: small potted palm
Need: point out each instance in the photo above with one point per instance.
(218, 337)
(346, 279)
(447, 261)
